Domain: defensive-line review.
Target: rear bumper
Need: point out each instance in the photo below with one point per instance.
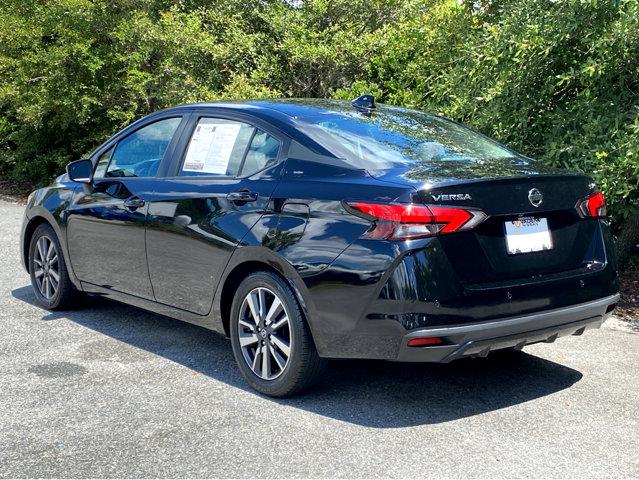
(471, 340)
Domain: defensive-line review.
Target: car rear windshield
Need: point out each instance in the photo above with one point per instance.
(391, 137)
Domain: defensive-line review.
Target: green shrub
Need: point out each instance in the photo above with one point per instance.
(556, 80)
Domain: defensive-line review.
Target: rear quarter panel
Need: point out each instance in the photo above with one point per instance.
(307, 228)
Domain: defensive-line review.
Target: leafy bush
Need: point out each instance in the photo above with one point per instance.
(556, 79)
(76, 70)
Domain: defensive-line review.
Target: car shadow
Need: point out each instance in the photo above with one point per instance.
(364, 392)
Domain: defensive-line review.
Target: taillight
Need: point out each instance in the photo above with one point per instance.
(397, 221)
(592, 206)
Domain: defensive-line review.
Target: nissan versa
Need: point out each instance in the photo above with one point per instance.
(314, 229)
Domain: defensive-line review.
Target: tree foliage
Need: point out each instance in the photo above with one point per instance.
(555, 79)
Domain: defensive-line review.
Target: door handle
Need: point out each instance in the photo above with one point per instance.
(133, 203)
(242, 196)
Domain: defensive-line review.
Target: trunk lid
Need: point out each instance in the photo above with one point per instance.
(480, 257)
(510, 195)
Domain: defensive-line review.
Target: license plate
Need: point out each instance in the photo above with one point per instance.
(528, 234)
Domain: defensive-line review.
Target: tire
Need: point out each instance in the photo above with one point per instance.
(260, 346)
(45, 266)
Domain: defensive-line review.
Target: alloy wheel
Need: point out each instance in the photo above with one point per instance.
(264, 333)
(47, 268)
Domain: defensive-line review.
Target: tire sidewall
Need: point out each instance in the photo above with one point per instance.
(281, 384)
(46, 230)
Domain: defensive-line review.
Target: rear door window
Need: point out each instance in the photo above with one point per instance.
(262, 153)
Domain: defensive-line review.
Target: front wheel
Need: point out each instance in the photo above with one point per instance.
(271, 340)
(49, 277)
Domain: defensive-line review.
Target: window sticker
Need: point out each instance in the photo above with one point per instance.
(211, 147)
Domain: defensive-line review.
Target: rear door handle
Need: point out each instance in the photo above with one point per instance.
(133, 203)
(242, 196)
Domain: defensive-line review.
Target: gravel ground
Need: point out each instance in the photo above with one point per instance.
(113, 391)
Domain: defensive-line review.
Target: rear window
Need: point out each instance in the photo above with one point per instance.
(392, 137)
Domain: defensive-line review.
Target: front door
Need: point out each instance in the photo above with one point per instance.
(222, 183)
(106, 221)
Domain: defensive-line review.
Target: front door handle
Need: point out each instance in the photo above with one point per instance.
(242, 196)
(133, 203)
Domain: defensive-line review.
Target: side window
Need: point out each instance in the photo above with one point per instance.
(103, 162)
(217, 147)
(261, 154)
(140, 154)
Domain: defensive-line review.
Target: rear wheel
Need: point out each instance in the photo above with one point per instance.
(49, 277)
(271, 340)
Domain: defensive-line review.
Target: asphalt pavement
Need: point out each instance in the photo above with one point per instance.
(113, 391)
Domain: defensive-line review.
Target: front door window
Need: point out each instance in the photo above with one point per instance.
(140, 154)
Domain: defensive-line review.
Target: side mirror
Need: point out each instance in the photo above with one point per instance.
(80, 171)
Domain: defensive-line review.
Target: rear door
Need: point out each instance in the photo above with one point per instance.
(221, 183)
(106, 222)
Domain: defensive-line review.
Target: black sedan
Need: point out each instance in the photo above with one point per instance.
(314, 229)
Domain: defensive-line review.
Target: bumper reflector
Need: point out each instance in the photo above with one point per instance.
(424, 341)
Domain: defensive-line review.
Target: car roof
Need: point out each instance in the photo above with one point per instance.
(289, 111)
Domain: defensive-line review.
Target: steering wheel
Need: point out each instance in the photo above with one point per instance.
(148, 168)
